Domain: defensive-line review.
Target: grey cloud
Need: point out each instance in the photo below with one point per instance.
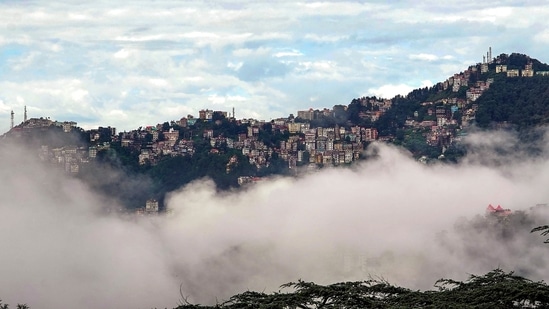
(390, 216)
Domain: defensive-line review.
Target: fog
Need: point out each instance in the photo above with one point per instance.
(389, 217)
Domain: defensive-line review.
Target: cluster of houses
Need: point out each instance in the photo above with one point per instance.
(442, 113)
(305, 145)
(332, 145)
(69, 158)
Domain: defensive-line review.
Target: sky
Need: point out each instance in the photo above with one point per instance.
(127, 64)
(390, 217)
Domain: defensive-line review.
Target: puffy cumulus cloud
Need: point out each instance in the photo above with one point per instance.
(389, 216)
(389, 91)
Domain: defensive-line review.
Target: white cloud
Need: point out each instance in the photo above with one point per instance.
(122, 54)
(390, 90)
(159, 82)
(325, 38)
(169, 51)
(291, 53)
(394, 220)
(430, 57)
(425, 57)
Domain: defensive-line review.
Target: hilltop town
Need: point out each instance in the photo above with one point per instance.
(429, 122)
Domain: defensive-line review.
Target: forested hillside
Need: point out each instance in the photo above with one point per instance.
(523, 102)
(429, 122)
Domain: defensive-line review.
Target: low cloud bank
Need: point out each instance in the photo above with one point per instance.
(389, 217)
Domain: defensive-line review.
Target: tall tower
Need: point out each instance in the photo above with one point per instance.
(490, 52)
(233, 114)
(11, 127)
(25, 117)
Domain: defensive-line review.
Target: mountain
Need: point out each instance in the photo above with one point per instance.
(509, 91)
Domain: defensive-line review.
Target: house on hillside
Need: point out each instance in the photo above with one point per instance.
(497, 211)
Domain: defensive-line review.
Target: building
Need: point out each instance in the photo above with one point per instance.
(528, 70)
(497, 211)
(205, 114)
(171, 135)
(501, 68)
(294, 127)
(306, 115)
(92, 152)
(68, 126)
(370, 134)
(513, 73)
(484, 68)
(151, 206)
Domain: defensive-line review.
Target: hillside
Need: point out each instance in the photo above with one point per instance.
(511, 91)
(523, 102)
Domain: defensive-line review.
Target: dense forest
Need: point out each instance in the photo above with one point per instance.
(523, 102)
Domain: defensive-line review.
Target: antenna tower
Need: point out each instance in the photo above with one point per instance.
(11, 127)
(25, 117)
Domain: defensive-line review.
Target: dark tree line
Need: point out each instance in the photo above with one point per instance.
(521, 101)
(496, 289)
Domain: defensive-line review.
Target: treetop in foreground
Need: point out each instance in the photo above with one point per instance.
(496, 289)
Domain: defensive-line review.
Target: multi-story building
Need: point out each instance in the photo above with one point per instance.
(513, 73)
(501, 68)
(528, 70)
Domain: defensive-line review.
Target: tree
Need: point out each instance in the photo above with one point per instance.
(496, 289)
(19, 306)
(544, 229)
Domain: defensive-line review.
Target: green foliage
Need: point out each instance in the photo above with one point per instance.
(522, 101)
(496, 289)
(272, 137)
(415, 142)
(174, 172)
